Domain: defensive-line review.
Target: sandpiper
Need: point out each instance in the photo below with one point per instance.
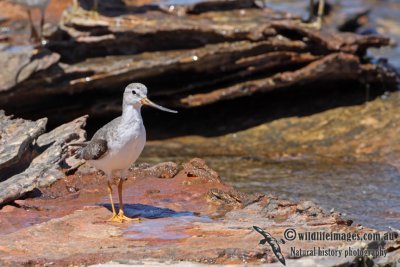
(29, 6)
(118, 144)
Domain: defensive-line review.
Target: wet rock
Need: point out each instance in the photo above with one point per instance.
(181, 224)
(66, 231)
(220, 197)
(31, 158)
(231, 199)
(198, 168)
(309, 207)
(152, 191)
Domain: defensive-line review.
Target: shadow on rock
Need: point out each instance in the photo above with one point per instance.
(148, 211)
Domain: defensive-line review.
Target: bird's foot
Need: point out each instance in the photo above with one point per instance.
(114, 218)
(124, 218)
(121, 218)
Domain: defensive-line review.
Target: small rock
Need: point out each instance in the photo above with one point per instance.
(231, 198)
(165, 170)
(197, 168)
(309, 208)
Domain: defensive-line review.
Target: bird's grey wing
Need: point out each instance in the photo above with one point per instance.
(107, 130)
(98, 146)
(95, 149)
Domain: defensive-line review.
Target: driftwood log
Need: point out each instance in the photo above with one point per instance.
(188, 55)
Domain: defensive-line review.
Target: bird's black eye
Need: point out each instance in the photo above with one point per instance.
(133, 92)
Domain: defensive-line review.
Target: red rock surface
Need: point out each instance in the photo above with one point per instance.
(187, 217)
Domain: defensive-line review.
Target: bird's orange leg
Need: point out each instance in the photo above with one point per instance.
(114, 218)
(121, 213)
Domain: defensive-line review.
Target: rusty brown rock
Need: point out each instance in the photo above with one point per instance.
(227, 200)
(334, 67)
(180, 225)
(219, 197)
(231, 49)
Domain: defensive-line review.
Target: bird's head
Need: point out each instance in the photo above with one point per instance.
(136, 95)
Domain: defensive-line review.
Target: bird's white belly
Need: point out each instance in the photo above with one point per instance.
(122, 153)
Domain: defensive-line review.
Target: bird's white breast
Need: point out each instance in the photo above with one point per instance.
(125, 144)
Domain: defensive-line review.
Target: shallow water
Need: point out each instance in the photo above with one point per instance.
(367, 193)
